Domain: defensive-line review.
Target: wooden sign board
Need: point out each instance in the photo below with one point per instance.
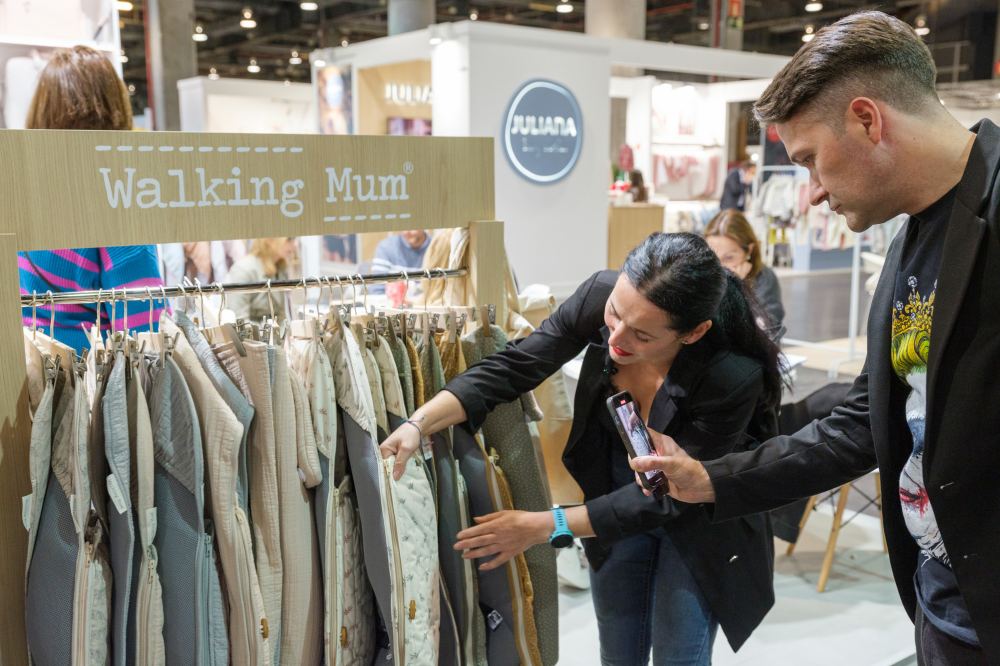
(86, 189)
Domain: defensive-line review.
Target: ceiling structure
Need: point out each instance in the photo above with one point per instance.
(961, 32)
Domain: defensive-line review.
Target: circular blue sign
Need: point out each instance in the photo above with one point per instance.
(543, 131)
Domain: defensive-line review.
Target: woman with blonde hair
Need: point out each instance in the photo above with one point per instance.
(734, 242)
(80, 89)
(269, 259)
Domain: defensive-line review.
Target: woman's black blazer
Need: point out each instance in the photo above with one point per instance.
(713, 407)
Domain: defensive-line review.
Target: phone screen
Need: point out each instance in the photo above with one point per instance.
(636, 430)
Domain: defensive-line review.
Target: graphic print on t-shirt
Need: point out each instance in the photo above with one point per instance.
(911, 341)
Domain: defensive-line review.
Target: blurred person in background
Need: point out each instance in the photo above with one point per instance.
(731, 236)
(269, 259)
(79, 89)
(738, 182)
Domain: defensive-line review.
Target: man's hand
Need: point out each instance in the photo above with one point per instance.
(688, 480)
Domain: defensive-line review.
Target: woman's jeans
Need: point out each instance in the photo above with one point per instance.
(646, 597)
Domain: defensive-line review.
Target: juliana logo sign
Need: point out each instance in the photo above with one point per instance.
(543, 131)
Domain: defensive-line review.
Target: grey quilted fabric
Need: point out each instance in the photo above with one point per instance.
(506, 431)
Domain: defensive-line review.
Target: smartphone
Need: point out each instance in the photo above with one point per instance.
(631, 427)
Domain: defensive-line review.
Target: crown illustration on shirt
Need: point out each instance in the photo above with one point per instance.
(914, 315)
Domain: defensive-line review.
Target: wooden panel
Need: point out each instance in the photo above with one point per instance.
(628, 226)
(489, 263)
(374, 109)
(14, 480)
(63, 178)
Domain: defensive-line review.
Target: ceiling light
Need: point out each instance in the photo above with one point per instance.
(199, 34)
(808, 37)
(131, 89)
(921, 26)
(295, 59)
(253, 67)
(248, 21)
(435, 41)
(319, 63)
(213, 74)
(124, 6)
(309, 6)
(703, 25)
(564, 7)
(474, 15)
(814, 6)
(123, 58)
(344, 43)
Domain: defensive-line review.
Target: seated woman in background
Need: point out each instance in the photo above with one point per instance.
(732, 238)
(269, 259)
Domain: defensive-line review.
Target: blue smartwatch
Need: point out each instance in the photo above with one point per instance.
(561, 536)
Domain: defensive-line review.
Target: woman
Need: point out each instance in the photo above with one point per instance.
(732, 238)
(676, 331)
(79, 89)
(269, 259)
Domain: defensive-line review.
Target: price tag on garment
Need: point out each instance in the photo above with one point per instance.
(26, 511)
(428, 448)
(115, 493)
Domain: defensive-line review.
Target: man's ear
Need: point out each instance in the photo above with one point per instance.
(863, 114)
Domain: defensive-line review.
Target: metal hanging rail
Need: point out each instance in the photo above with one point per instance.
(358, 281)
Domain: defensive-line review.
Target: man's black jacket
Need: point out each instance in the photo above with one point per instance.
(962, 441)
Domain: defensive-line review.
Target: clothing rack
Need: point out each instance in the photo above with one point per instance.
(196, 290)
(73, 189)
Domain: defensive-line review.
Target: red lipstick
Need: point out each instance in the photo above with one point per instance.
(620, 352)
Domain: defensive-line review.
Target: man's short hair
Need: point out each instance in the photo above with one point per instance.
(867, 54)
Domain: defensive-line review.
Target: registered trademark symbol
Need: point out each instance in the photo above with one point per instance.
(407, 167)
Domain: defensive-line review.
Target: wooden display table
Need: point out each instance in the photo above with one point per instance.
(628, 226)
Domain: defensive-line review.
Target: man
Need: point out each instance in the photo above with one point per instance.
(857, 107)
(734, 193)
(400, 252)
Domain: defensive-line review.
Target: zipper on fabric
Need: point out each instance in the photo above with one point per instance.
(387, 465)
(204, 639)
(144, 601)
(83, 607)
(258, 630)
(337, 623)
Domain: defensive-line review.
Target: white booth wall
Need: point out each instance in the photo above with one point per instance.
(556, 234)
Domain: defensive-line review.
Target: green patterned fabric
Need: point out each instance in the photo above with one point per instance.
(402, 361)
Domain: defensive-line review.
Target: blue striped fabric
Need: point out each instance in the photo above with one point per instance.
(89, 269)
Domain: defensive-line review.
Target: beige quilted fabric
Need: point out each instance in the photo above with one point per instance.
(353, 639)
(417, 534)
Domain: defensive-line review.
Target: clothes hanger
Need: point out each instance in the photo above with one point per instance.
(201, 302)
(34, 315)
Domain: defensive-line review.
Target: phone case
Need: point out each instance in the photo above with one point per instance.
(611, 405)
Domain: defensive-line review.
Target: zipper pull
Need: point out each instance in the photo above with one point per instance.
(264, 630)
(413, 610)
(343, 637)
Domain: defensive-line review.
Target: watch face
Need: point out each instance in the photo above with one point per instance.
(561, 541)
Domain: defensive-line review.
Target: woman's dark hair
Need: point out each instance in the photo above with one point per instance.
(680, 274)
